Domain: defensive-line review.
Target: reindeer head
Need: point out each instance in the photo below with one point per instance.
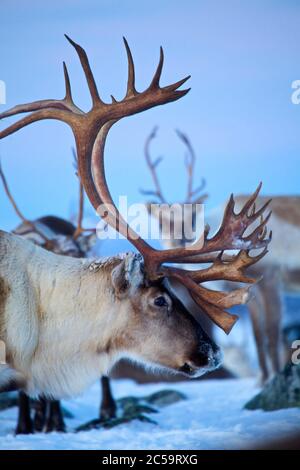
(152, 326)
(160, 329)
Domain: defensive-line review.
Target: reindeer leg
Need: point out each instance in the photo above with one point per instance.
(274, 311)
(40, 415)
(257, 314)
(24, 425)
(55, 421)
(107, 411)
(108, 405)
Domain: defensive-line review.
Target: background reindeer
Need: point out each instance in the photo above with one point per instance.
(82, 316)
(159, 209)
(64, 238)
(265, 305)
(280, 274)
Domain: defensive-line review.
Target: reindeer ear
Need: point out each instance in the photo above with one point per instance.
(120, 282)
(87, 242)
(128, 275)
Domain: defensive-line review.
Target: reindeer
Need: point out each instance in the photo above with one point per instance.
(62, 237)
(279, 267)
(65, 321)
(279, 272)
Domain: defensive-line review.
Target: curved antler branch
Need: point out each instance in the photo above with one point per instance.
(152, 165)
(190, 161)
(87, 71)
(156, 78)
(131, 91)
(90, 131)
(43, 113)
(28, 222)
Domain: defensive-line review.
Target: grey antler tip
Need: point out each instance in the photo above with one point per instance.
(125, 42)
(69, 39)
(74, 44)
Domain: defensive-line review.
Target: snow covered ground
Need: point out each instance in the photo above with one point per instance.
(212, 417)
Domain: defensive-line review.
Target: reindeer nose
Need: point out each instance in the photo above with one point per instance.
(207, 357)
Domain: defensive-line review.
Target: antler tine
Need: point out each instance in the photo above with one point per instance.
(68, 96)
(87, 71)
(189, 162)
(178, 84)
(219, 316)
(16, 208)
(262, 209)
(79, 228)
(190, 166)
(230, 269)
(156, 78)
(211, 302)
(131, 91)
(35, 106)
(62, 110)
(152, 167)
(200, 188)
(45, 112)
(66, 104)
(256, 235)
(251, 200)
(10, 196)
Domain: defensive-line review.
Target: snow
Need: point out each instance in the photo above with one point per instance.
(212, 417)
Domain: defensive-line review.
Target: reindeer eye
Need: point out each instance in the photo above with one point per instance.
(160, 301)
(125, 285)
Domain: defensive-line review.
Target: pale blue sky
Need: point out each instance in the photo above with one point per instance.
(242, 55)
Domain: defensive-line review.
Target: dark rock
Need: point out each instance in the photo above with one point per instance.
(283, 391)
(8, 400)
(131, 408)
(164, 398)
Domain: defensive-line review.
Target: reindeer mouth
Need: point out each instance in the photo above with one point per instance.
(208, 364)
(188, 369)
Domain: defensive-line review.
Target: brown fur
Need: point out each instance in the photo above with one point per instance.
(286, 208)
(4, 293)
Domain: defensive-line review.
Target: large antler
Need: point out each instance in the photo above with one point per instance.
(192, 195)
(90, 131)
(152, 165)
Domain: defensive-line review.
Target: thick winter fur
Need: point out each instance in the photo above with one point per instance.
(49, 325)
(66, 321)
